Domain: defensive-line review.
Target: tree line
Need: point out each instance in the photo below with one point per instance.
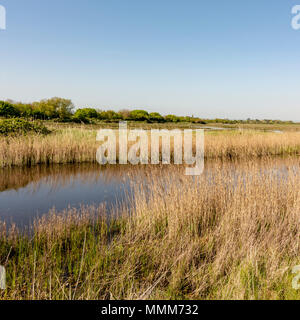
(63, 110)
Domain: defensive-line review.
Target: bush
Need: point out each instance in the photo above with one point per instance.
(20, 126)
(80, 118)
(109, 115)
(172, 118)
(84, 115)
(124, 114)
(156, 117)
(56, 107)
(139, 115)
(7, 110)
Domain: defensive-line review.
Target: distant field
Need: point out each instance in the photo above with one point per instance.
(95, 124)
(264, 127)
(182, 125)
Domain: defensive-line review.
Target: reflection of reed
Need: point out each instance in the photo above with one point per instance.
(61, 175)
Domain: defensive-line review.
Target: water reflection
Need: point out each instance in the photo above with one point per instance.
(26, 193)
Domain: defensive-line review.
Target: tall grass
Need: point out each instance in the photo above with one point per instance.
(79, 145)
(66, 146)
(225, 235)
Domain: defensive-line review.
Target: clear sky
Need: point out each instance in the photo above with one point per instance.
(233, 58)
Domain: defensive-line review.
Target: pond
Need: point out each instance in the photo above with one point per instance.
(27, 193)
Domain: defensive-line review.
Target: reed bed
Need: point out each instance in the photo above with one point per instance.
(79, 145)
(65, 146)
(228, 234)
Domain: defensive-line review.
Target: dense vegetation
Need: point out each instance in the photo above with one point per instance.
(62, 110)
(21, 126)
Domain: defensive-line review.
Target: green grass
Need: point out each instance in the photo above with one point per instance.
(93, 260)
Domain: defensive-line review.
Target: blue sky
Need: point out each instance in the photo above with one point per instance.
(229, 59)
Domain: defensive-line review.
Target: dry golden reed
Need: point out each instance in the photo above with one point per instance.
(79, 145)
(232, 233)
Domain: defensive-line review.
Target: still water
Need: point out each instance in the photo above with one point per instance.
(27, 193)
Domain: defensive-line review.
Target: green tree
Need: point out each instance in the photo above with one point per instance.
(172, 118)
(139, 115)
(84, 115)
(124, 114)
(87, 113)
(109, 115)
(26, 110)
(56, 107)
(8, 110)
(156, 117)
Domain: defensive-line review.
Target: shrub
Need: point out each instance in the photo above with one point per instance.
(139, 115)
(7, 110)
(80, 117)
(109, 115)
(156, 117)
(84, 115)
(20, 126)
(87, 113)
(124, 114)
(172, 118)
